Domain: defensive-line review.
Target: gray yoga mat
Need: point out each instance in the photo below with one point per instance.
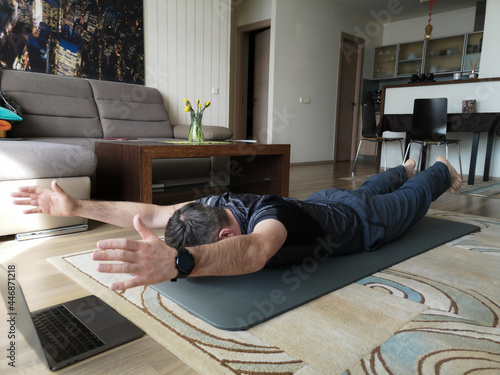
(237, 303)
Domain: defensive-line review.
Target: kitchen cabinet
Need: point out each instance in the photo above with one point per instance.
(444, 55)
(473, 51)
(410, 58)
(439, 56)
(384, 65)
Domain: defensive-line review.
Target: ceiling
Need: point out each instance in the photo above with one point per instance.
(406, 9)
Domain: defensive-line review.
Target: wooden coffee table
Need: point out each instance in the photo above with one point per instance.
(124, 168)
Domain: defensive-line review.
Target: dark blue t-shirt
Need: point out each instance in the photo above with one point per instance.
(314, 228)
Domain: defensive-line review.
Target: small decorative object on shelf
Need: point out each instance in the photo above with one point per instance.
(469, 106)
(195, 131)
(473, 66)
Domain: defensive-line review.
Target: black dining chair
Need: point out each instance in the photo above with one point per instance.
(429, 128)
(369, 133)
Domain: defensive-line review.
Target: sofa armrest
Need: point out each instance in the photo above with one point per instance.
(210, 132)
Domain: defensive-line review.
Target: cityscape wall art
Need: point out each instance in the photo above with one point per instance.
(96, 39)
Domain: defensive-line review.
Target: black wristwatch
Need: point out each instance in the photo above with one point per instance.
(184, 262)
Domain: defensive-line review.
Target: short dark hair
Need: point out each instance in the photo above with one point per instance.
(195, 224)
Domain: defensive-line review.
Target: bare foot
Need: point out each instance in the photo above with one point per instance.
(456, 180)
(409, 167)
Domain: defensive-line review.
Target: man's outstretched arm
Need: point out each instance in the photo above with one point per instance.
(152, 261)
(240, 254)
(57, 202)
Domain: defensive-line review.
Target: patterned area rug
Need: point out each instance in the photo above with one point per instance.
(437, 313)
(489, 189)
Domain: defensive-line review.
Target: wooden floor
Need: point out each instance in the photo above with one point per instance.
(44, 285)
(308, 178)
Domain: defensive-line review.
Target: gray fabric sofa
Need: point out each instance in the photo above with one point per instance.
(63, 118)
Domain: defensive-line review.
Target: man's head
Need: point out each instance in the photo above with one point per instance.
(196, 224)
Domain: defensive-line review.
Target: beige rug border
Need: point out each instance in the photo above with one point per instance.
(178, 346)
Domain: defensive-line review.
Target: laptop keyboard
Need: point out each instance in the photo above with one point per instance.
(64, 335)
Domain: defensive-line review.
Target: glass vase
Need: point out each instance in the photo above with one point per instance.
(195, 131)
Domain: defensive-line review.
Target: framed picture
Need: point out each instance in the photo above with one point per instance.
(98, 39)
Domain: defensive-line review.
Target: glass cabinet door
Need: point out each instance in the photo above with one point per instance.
(410, 58)
(444, 55)
(473, 52)
(384, 65)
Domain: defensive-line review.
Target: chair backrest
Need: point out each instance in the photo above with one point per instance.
(430, 119)
(369, 122)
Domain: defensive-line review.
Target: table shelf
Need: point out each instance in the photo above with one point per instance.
(188, 192)
(124, 169)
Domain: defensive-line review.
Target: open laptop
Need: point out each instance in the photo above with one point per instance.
(66, 333)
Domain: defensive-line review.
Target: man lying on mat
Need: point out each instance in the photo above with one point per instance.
(256, 230)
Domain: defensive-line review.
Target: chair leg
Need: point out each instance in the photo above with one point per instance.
(384, 145)
(402, 152)
(375, 155)
(356, 158)
(407, 153)
(460, 161)
(420, 155)
(459, 157)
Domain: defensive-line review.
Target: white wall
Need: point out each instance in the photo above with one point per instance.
(250, 11)
(486, 93)
(305, 59)
(187, 44)
(490, 56)
(444, 24)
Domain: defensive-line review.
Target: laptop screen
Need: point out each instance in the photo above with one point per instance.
(18, 315)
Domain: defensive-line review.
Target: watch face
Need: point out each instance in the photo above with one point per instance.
(185, 263)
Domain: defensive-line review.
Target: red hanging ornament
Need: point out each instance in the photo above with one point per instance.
(428, 27)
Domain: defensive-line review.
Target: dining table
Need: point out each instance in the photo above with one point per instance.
(476, 123)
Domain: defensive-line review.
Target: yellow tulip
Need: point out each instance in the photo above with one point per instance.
(201, 108)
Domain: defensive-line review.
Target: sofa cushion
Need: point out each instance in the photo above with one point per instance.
(210, 132)
(53, 106)
(128, 110)
(86, 142)
(25, 160)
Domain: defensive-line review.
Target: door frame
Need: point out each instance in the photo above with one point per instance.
(357, 95)
(242, 74)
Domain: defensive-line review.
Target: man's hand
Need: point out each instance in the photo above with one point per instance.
(54, 202)
(150, 261)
